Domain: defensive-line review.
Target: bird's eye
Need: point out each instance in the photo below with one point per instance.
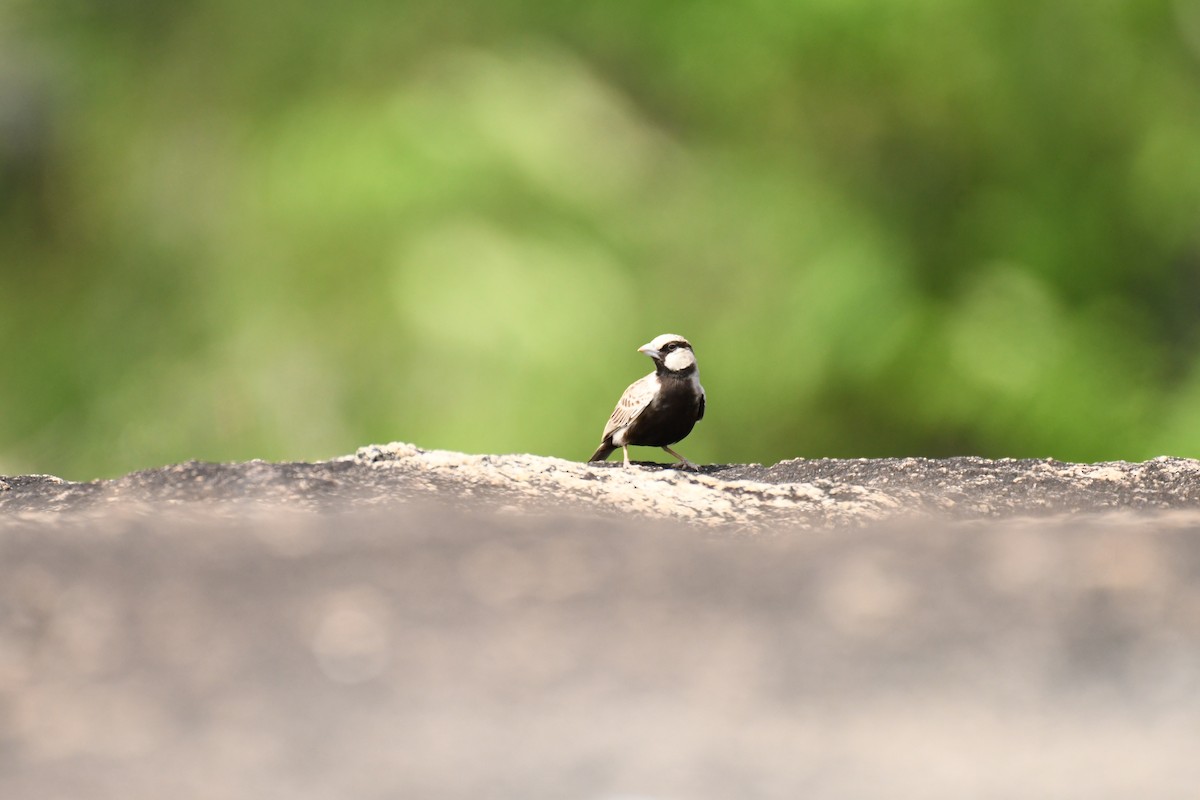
(671, 347)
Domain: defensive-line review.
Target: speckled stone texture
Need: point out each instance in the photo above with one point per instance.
(795, 493)
(404, 623)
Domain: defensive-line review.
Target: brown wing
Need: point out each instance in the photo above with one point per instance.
(633, 402)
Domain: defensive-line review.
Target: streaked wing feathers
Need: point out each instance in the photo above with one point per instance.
(633, 402)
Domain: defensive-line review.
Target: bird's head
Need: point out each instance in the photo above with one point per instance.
(670, 351)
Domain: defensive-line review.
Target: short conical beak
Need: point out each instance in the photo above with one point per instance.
(649, 350)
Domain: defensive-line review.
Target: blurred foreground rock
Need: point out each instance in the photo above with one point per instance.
(422, 624)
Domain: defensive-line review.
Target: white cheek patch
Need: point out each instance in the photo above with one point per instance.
(679, 359)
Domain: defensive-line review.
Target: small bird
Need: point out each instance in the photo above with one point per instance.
(661, 408)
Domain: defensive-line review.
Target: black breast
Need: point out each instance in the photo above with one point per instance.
(670, 417)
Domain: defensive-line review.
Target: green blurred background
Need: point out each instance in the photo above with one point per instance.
(234, 230)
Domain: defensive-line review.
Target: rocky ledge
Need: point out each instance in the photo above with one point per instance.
(793, 493)
(454, 626)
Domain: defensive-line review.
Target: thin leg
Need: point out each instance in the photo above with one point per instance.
(625, 449)
(686, 463)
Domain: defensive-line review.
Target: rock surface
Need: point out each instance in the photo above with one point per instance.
(403, 623)
(798, 492)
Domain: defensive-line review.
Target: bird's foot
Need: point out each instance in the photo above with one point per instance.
(683, 462)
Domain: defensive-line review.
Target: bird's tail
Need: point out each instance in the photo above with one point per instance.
(603, 451)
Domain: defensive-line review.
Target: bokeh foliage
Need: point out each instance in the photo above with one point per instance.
(233, 230)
